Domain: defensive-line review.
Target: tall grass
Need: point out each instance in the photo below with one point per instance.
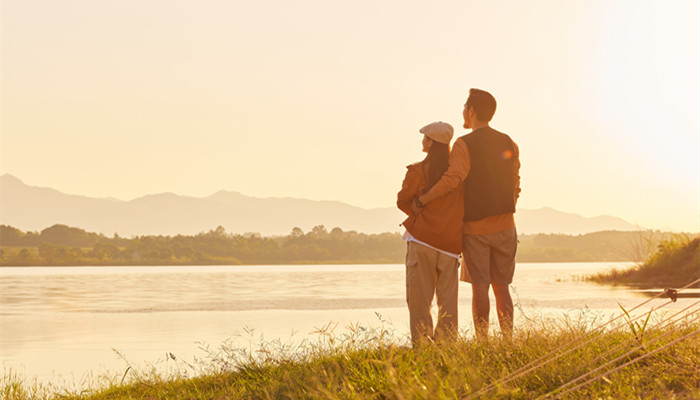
(377, 364)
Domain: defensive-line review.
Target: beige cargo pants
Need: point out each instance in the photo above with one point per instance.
(430, 273)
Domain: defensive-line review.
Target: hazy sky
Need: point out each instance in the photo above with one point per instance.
(323, 99)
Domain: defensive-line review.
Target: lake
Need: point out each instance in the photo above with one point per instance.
(63, 324)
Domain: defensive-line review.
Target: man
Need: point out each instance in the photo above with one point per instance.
(487, 161)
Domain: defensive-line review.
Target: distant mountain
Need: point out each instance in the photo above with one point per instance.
(31, 208)
(549, 220)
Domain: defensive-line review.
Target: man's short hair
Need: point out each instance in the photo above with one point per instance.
(483, 102)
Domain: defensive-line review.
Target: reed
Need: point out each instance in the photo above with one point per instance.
(675, 263)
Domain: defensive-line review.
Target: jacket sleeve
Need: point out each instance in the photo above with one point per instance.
(409, 190)
(516, 172)
(457, 171)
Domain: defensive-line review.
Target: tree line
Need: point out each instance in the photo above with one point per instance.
(64, 245)
(591, 247)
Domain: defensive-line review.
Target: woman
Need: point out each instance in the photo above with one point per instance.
(434, 236)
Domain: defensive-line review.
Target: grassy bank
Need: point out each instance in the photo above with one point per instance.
(676, 263)
(374, 364)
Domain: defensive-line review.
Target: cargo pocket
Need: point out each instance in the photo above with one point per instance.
(411, 263)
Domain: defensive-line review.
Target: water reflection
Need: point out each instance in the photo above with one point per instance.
(65, 321)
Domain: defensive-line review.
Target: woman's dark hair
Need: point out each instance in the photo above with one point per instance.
(437, 160)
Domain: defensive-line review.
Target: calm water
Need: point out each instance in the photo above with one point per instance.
(60, 324)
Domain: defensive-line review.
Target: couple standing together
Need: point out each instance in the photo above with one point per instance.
(461, 202)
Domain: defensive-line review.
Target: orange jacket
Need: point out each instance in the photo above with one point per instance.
(439, 224)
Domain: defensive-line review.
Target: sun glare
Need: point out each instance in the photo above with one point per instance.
(648, 81)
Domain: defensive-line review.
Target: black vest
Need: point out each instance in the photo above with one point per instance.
(489, 187)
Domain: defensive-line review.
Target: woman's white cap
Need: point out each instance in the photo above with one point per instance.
(438, 131)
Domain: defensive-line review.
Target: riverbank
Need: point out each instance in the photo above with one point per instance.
(374, 364)
(676, 263)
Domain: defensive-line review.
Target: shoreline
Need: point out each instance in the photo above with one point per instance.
(280, 264)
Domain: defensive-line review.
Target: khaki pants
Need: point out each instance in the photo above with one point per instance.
(430, 273)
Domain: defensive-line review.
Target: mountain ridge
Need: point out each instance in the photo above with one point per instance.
(32, 208)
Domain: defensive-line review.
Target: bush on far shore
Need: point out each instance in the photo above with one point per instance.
(676, 263)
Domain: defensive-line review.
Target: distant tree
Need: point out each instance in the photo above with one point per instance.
(290, 253)
(151, 248)
(73, 254)
(49, 252)
(59, 254)
(319, 230)
(220, 231)
(164, 254)
(249, 235)
(176, 248)
(25, 255)
(65, 235)
(104, 250)
(314, 252)
(296, 232)
(10, 236)
(188, 253)
(98, 253)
